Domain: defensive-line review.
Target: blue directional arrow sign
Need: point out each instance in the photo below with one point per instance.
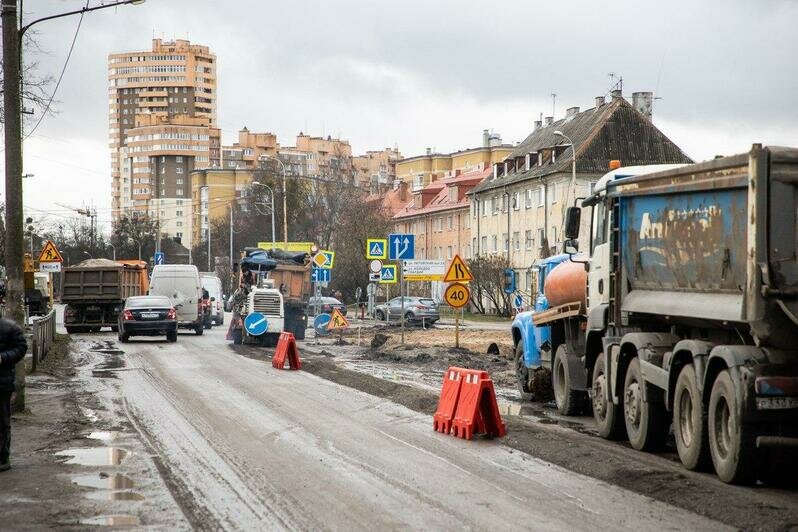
(159, 258)
(401, 246)
(256, 324)
(320, 324)
(320, 275)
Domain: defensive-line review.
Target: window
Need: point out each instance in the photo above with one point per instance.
(179, 180)
(179, 234)
(505, 198)
(179, 224)
(516, 240)
(553, 193)
(474, 243)
(516, 202)
(178, 213)
(179, 192)
(449, 223)
(529, 239)
(484, 205)
(506, 240)
(541, 196)
(495, 243)
(179, 159)
(179, 170)
(163, 158)
(449, 252)
(541, 237)
(494, 204)
(599, 225)
(163, 169)
(528, 198)
(529, 280)
(483, 247)
(554, 234)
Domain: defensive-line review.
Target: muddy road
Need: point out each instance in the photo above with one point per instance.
(242, 445)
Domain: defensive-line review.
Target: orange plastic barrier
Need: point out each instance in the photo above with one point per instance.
(450, 392)
(477, 411)
(286, 348)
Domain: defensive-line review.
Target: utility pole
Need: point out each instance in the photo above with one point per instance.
(13, 162)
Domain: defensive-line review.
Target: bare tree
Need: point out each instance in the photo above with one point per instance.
(488, 284)
(35, 87)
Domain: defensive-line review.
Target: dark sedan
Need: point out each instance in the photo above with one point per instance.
(325, 305)
(148, 316)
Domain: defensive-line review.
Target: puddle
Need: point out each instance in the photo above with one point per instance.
(111, 520)
(104, 481)
(104, 435)
(115, 496)
(94, 456)
(513, 409)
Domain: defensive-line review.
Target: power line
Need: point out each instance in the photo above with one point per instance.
(60, 77)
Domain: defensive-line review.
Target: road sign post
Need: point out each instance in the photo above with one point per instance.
(401, 247)
(457, 294)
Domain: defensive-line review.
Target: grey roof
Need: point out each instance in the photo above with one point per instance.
(614, 130)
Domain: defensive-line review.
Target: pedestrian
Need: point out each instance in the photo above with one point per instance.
(12, 349)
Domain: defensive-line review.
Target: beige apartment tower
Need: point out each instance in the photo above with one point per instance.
(162, 126)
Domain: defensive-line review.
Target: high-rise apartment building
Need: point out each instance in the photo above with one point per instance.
(162, 125)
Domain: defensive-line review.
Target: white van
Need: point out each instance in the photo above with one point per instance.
(213, 285)
(181, 284)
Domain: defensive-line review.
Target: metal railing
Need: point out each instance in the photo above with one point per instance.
(43, 336)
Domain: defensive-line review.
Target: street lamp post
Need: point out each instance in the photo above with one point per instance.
(113, 247)
(12, 46)
(285, 201)
(271, 207)
(573, 155)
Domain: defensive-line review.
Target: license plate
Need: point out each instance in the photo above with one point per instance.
(149, 315)
(776, 403)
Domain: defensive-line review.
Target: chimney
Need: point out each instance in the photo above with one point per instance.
(599, 101)
(495, 170)
(429, 151)
(403, 192)
(549, 120)
(485, 138)
(616, 94)
(571, 111)
(642, 101)
(538, 124)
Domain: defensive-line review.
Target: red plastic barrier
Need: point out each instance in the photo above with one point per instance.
(286, 348)
(477, 411)
(450, 392)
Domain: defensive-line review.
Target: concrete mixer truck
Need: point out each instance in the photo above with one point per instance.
(691, 314)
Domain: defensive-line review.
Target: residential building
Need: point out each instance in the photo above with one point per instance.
(421, 170)
(393, 200)
(250, 148)
(212, 192)
(376, 169)
(326, 157)
(519, 210)
(162, 125)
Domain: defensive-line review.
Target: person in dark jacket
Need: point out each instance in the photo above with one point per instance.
(12, 349)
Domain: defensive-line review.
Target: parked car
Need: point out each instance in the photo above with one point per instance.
(181, 284)
(148, 316)
(324, 305)
(213, 285)
(416, 310)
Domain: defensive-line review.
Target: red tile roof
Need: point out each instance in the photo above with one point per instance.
(440, 188)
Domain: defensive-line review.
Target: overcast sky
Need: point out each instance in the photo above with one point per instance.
(424, 73)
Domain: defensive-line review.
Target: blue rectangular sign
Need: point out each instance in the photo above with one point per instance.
(320, 275)
(159, 258)
(401, 246)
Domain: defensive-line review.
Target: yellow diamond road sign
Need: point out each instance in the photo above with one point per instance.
(324, 259)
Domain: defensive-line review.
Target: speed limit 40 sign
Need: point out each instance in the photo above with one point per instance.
(457, 295)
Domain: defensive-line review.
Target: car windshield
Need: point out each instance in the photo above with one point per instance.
(147, 302)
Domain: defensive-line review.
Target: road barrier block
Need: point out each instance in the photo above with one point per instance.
(477, 411)
(450, 392)
(286, 348)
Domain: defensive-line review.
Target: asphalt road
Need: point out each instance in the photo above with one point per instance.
(242, 445)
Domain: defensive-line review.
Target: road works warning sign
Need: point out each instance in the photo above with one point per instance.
(458, 272)
(337, 321)
(50, 253)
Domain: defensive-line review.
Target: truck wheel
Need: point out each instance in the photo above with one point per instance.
(171, 336)
(608, 416)
(570, 402)
(731, 444)
(646, 421)
(522, 373)
(199, 329)
(238, 336)
(690, 421)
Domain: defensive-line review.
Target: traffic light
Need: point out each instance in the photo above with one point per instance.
(509, 281)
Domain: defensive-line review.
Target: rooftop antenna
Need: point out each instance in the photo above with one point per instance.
(553, 102)
(615, 84)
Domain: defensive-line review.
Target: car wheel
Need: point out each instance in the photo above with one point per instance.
(608, 415)
(123, 338)
(171, 336)
(198, 330)
(409, 316)
(380, 315)
(646, 420)
(690, 421)
(522, 373)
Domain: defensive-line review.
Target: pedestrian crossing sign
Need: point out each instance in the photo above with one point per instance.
(50, 253)
(388, 274)
(376, 248)
(337, 321)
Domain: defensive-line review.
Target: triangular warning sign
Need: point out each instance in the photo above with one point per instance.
(50, 253)
(458, 272)
(376, 249)
(337, 321)
(387, 274)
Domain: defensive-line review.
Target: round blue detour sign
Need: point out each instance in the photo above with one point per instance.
(256, 324)
(320, 324)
